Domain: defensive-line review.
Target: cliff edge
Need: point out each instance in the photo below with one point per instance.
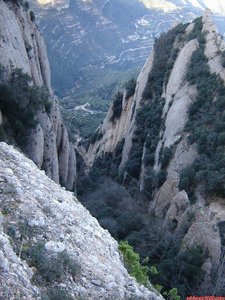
(50, 245)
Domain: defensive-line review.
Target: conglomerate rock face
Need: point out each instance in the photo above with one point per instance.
(170, 201)
(22, 46)
(49, 240)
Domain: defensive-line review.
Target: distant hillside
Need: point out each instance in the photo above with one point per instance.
(217, 6)
(95, 46)
(88, 39)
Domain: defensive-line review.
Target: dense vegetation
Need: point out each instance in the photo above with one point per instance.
(19, 103)
(117, 106)
(115, 209)
(148, 119)
(98, 94)
(130, 88)
(123, 211)
(206, 128)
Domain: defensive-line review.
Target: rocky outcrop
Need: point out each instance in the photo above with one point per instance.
(162, 200)
(214, 45)
(114, 131)
(49, 147)
(141, 83)
(40, 218)
(22, 46)
(179, 204)
(194, 216)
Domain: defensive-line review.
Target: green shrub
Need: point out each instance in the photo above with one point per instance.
(108, 207)
(206, 112)
(56, 293)
(164, 59)
(130, 88)
(167, 155)
(149, 180)
(51, 266)
(187, 178)
(20, 101)
(96, 137)
(161, 178)
(170, 260)
(32, 16)
(132, 263)
(172, 294)
(117, 106)
(196, 32)
(26, 4)
(128, 223)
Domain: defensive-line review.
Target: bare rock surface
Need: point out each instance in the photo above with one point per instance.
(113, 132)
(194, 219)
(204, 232)
(141, 84)
(22, 46)
(36, 210)
(178, 206)
(162, 200)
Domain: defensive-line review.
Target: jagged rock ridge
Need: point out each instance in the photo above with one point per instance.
(22, 47)
(51, 244)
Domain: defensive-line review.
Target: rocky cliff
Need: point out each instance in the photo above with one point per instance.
(171, 133)
(22, 47)
(51, 247)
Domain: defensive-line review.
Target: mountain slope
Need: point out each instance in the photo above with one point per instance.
(89, 36)
(76, 35)
(51, 247)
(163, 141)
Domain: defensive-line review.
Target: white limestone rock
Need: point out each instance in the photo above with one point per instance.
(19, 34)
(22, 46)
(57, 247)
(166, 193)
(35, 145)
(68, 228)
(178, 206)
(214, 44)
(72, 173)
(122, 128)
(140, 86)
